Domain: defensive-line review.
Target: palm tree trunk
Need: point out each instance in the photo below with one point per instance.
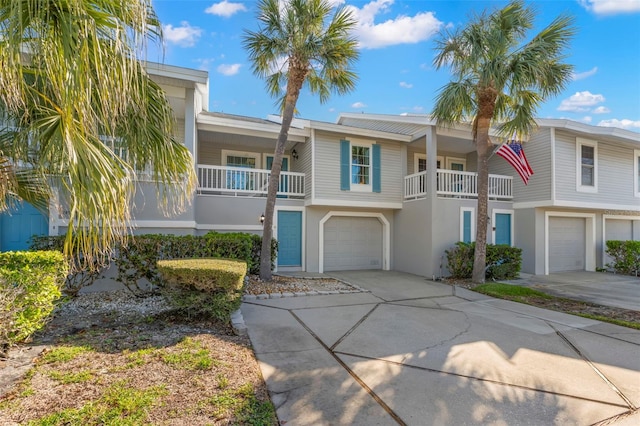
(482, 149)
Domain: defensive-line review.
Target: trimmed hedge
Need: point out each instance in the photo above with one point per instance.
(30, 284)
(503, 261)
(203, 287)
(626, 256)
(137, 261)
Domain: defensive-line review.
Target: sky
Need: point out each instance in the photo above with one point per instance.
(396, 45)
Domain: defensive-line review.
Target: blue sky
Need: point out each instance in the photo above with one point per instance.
(395, 70)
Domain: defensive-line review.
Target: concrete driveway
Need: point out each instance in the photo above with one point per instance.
(415, 352)
(603, 288)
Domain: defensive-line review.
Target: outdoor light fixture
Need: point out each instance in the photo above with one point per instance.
(262, 219)
(294, 154)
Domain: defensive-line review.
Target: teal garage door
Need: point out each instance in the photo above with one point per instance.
(19, 224)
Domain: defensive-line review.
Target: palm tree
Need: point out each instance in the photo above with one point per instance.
(295, 45)
(70, 80)
(499, 80)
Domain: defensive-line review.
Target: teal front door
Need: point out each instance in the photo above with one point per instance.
(503, 228)
(284, 180)
(289, 238)
(19, 224)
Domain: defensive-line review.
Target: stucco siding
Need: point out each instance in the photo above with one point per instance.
(538, 152)
(327, 172)
(411, 245)
(146, 206)
(614, 173)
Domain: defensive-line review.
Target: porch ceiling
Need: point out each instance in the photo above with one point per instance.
(448, 144)
(241, 140)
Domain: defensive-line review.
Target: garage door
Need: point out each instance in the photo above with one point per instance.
(352, 243)
(566, 244)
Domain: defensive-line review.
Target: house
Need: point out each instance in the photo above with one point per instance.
(393, 192)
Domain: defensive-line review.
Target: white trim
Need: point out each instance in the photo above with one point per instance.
(575, 204)
(552, 134)
(416, 157)
(493, 223)
(247, 154)
(163, 224)
(580, 142)
(458, 160)
(473, 222)
(361, 187)
(386, 236)
(352, 203)
(636, 172)
(313, 164)
(590, 238)
(239, 228)
(604, 230)
(266, 154)
(303, 232)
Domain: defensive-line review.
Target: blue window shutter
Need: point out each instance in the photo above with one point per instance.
(466, 226)
(376, 178)
(345, 162)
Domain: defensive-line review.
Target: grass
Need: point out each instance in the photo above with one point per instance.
(537, 298)
(64, 354)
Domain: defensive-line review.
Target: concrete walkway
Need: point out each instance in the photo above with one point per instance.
(602, 288)
(416, 352)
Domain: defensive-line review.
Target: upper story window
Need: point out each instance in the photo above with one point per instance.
(240, 179)
(360, 166)
(586, 165)
(636, 172)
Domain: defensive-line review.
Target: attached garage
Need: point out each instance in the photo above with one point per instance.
(567, 243)
(352, 243)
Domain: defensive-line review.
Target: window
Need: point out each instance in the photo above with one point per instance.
(636, 172)
(457, 164)
(360, 165)
(360, 168)
(467, 224)
(240, 179)
(420, 162)
(586, 165)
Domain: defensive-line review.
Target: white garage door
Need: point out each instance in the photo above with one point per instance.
(352, 243)
(566, 244)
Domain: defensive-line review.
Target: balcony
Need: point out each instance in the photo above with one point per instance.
(238, 181)
(455, 184)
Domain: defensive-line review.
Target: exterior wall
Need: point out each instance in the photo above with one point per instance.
(327, 172)
(412, 236)
(412, 150)
(312, 232)
(526, 237)
(303, 165)
(614, 173)
(147, 206)
(538, 151)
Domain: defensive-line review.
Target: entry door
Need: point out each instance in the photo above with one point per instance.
(284, 180)
(289, 238)
(503, 228)
(19, 225)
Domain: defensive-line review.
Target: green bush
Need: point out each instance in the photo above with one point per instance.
(80, 274)
(30, 284)
(626, 256)
(137, 261)
(203, 287)
(503, 262)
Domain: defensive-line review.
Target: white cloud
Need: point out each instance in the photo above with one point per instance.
(406, 85)
(400, 30)
(228, 69)
(581, 75)
(225, 8)
(601, 110)
(587, 119)
(624, 123)
(580, 102)
(611, 7)
(358, 105)
(185, 35)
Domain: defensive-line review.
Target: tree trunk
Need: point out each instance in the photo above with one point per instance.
(482, 150)
(293, 91)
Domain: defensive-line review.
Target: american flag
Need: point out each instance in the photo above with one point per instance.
(514, 154)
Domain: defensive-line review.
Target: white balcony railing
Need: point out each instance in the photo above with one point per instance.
(247, 182)
(452, 183)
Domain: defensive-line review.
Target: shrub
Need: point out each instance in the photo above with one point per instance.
(137, 261)
(503, 261)
(626, 256)
(80, 274)
(30, 284)
(203, 287)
